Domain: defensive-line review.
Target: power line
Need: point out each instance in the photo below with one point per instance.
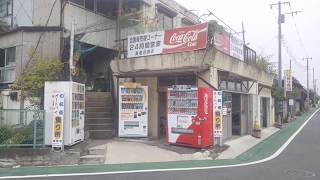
(290, 54)
(42, 33)
(298, 33)
(211, 13)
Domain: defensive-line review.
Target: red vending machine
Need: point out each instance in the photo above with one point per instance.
(189, 116)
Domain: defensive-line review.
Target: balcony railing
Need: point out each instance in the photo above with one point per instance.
(250, 56)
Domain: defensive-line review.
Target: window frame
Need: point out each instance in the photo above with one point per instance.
(83, 6)
(7, 5)
(7, 67)
(161, 17)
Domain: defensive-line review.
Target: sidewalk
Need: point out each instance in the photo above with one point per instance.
(260, 152)
(242, 144)
(126, 151)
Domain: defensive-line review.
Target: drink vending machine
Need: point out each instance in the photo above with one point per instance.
(133, 110)
(64, 105)
(189, 116)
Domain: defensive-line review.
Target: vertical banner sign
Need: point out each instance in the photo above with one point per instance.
(236, 47)
(222, 42)
(288, 80)
(145, 44)
(217, 105)
(71, 64)
(58, 115)
(186, 39)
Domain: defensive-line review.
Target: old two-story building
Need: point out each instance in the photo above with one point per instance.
(100, 28)
(223, 63)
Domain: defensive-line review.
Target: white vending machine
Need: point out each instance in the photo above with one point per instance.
(69, 127)
(133, 110)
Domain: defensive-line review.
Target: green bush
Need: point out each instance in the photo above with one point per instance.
(21, 135)
(5, 133)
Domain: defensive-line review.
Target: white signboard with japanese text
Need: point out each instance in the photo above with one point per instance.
(58, 117)
(145, 44)
(236, 47)
(217, 105)
(288, 80)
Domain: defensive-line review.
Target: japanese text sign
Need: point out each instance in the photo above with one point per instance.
(145, 44)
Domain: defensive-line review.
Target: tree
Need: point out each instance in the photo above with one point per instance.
(31, 81)
(263, 63)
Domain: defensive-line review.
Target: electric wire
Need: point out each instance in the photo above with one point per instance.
(39, 39)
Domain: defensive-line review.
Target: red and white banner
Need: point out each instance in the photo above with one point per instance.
(186, 39)
(222, 41)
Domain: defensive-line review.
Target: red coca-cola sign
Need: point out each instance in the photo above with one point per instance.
(186, 39)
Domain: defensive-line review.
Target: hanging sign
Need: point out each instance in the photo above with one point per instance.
(222, 42)
(236, 47)
(145, 44)
(288, 80)
(217, 105)
(184, 39)
(58, 117)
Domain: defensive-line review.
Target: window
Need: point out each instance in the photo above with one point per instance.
(11, 56)
(165, 21)
(7, 64)
(89, 4)
(103, 7)
(5, 8)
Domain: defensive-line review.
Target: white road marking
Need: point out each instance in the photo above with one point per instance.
(276, 154)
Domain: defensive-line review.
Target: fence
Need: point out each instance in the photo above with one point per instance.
(21, 128)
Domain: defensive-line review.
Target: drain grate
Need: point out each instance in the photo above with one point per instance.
(300, 173)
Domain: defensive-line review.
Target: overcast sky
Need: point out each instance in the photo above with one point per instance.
(301, 32)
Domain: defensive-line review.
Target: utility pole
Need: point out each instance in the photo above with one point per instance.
(313, 82)
(281, 19)
(243, 34)
(290, 66)
(308, 94)
(119, 27)
(71, 50)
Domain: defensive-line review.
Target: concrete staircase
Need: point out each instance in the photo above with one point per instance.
(99, 111)
(96, 155)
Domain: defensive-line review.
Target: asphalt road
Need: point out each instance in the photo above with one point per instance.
(300, 160)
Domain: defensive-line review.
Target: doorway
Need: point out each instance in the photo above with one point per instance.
(264, 112)
(236, 114)
(162, 114)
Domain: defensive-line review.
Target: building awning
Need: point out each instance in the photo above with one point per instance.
(166, 9)
(162, 72)
(95, 38)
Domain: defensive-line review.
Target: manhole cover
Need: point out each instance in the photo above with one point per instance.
(300, 173)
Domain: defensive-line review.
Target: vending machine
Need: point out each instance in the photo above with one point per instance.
(65, 127)
(189, 116)
(133, 110)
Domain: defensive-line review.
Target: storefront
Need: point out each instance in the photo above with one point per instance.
(199, 67)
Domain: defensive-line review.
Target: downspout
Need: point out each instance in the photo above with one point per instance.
(11, 14)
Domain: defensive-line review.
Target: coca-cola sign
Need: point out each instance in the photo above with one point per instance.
(186, 39)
